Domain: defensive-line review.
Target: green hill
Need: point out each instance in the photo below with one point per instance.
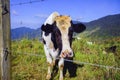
(25, 32)
(105, 27)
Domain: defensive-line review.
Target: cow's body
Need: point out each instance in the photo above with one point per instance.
(57, 34)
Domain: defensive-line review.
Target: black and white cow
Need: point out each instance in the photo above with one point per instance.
(57, 32)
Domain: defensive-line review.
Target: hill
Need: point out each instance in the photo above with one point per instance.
(24, 32)
(21, 32)
(105, 27)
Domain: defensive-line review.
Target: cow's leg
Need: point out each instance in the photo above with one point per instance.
(54, 54)
(49, 71)
(49, 61)
(61, 65)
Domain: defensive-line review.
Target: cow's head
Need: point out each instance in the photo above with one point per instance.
(62, 31)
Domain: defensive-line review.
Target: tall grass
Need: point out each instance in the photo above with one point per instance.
(29, 67)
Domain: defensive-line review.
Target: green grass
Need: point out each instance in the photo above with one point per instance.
(29, 67)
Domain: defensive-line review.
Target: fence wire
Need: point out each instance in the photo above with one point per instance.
(28, 2)
(77, 62)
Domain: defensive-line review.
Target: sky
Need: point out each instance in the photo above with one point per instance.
(33, 15)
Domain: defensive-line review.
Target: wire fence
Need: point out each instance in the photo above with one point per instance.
(75, 61)
(41, 66)
(28, 2)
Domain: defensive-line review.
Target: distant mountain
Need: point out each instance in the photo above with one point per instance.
(108, 26)
(21, 32)
(105, 27)
(35, 34)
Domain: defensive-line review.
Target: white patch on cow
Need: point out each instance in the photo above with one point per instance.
(49, 47)
(51, 18)
(61, 64)
(66, 44)
(47, 54)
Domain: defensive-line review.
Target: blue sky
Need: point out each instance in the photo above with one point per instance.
(34, 14)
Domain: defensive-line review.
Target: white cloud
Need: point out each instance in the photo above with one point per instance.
(14, 12)
(78, 18)
(41, 16)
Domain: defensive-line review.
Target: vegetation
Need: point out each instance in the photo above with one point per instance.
(105, 27)
(29, 62)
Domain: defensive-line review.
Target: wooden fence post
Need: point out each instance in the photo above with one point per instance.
(5, 40)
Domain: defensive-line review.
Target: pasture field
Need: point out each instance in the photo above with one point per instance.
(29, 62)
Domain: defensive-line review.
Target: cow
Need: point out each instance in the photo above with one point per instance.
(57, 32)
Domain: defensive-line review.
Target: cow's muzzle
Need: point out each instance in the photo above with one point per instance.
(66, 54)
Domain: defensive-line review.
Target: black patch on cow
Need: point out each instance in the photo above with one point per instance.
(70, 34)
(54, 41)
(47, 29)
(46, 33)
(44, 41)
(78, 27)
(56, 38)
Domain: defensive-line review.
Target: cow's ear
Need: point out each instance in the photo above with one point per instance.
(47, 28)
(43, 27)
(78, 27)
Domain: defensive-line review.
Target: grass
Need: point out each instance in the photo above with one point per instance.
(29, 67)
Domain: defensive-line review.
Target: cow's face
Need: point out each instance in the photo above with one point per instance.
(63, 23)
(62, 31)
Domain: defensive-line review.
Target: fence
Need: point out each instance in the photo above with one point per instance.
(4, 40)
(28, 2)
(75, 61)
(43, 65)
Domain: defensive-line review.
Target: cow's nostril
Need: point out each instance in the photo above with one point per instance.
(70, 53)
(66, 54)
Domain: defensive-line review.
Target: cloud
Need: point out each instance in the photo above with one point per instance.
(79, 18)
(14, 12)
(41, 16)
